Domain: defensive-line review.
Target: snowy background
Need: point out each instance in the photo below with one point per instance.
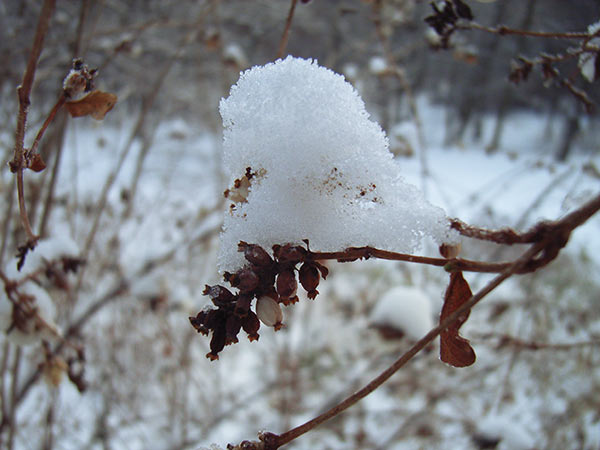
(149, 385)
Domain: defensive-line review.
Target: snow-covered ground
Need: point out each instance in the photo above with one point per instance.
(150, 386)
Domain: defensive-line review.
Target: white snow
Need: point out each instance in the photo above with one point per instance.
(324, 170)
(405, 308)
(378, 65)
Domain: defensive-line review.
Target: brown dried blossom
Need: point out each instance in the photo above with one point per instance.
(270, 280)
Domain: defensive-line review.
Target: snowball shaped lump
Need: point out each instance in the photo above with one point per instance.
(308, 163)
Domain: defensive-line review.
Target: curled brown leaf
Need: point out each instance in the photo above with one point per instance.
(454, 349)
(95, 104)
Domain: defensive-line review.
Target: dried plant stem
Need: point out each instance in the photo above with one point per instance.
(286, 32)
(503, 30)
(13, 398)
(554, 234)
(120, 286)
(24, 91)
(59, 103)
(512, 341)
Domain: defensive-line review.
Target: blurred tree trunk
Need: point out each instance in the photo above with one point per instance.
(570, 131)
(506, 97)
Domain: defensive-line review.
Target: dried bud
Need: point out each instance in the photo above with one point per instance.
(462, 10)
(269, 312)
(255, 254)
(232, 328)
(242, 305)
(217, 343)
(220, 296)
(287, 284)
(207, 320)
(79, 80)
(250, 324)
(247, 280)
(198, 323)
(309, 278)
(289, 253)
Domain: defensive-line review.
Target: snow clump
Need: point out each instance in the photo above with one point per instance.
(310, 164)
(406, 309)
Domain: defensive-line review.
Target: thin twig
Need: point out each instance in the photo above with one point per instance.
(503, 30)
(59, 103)
(24, 91)
(507, 340)
(286, 32)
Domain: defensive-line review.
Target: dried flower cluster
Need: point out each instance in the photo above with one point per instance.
(445, 17)
(270, 280)
(79, 80)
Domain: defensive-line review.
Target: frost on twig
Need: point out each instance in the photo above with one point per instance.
(310, 164)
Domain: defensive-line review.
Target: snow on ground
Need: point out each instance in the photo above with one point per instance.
(153, 378)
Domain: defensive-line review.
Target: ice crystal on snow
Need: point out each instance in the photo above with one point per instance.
(323, 169)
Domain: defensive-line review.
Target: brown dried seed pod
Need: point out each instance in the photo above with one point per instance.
(269, 312)
(287, 284)
(289, 253)
(220, 296)
(255, 254)
(247, 280)
(232, 328)
(217, 343)
(251, 324)
(242, 305)
(309, 276)
(198, 323)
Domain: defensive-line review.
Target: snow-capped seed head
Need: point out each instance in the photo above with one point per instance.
(219, 295)
(251, 324)
(269, 312)
(80, 79)
(309, 278)
(255, 254)
(287, 284)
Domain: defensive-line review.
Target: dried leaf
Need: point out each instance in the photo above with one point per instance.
(95, 104)
(454, 349)
(37, 164)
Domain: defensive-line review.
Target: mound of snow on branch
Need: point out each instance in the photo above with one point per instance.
(319, 168)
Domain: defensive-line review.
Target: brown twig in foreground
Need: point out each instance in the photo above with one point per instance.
(24, 91)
